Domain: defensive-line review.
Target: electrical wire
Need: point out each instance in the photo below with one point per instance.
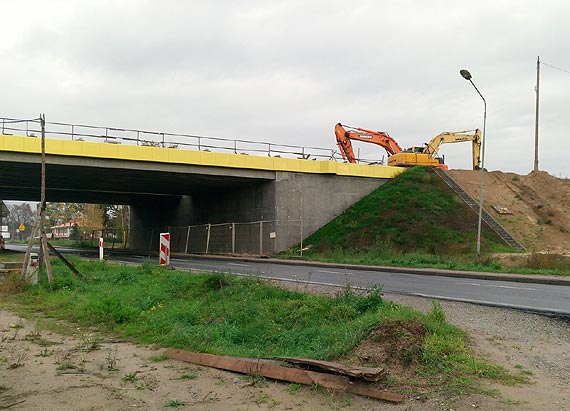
(554, 67)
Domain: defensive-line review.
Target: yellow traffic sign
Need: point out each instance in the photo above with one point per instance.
(22, 227)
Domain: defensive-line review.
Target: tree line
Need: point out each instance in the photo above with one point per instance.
(84, 218)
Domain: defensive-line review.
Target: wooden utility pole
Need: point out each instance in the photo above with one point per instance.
(43, 238)
(536, 114)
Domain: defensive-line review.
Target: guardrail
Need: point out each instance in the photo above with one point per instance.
(115, 135)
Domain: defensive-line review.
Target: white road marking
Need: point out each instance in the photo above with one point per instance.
(499, 286)
(329, 272)
(240, 265)
(506, 286)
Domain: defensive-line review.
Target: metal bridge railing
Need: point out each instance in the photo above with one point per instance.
(115, 135)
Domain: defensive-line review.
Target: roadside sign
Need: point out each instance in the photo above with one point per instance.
(164, 251)
(22, 227)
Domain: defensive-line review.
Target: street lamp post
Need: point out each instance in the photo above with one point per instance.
(467, 76)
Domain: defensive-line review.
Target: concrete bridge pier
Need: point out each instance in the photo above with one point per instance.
(150, 218)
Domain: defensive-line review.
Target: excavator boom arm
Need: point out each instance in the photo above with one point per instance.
(344, 135)
(432, 147)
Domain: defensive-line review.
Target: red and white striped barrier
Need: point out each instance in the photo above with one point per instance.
(164, 252)
(101, 248)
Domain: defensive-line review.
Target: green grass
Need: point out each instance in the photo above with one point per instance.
(9, 256)
(386, 255)
(415, 211)
(246, 317)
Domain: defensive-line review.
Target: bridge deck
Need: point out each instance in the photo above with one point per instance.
(87, 149)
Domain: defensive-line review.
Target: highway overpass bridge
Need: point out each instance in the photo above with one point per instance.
(168, 181)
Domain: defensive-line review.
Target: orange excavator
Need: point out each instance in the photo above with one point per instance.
(344, 135)
(414, 156)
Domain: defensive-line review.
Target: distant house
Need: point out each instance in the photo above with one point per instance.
(62, 231)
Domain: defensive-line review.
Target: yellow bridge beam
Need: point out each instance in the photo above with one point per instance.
(22, 144)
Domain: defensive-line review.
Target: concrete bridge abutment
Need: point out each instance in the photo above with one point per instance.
(293, 205)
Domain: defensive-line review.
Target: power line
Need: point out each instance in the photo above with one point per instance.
(554, 67)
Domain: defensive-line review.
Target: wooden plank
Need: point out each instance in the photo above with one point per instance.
(279, 372)
(367, 391)
(65, 261)
(260, 367)
(363, 373)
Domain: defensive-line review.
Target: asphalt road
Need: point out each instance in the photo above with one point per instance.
(540, 298)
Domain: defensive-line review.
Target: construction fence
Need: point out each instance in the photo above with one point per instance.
(258, 237)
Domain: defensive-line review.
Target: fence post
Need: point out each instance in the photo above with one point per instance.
(208, 237)
(261, 238)
(187, 240)
(233, 238)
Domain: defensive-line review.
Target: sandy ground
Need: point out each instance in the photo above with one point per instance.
(538, 203)
(75, 369)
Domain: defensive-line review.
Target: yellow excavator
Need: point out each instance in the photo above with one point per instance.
(414, 156)
(427, 155)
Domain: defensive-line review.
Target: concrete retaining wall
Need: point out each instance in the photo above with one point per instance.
(297, 203)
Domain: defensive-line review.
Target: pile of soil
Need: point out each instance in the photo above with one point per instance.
(539, 216)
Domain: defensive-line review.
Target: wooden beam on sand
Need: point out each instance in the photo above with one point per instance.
(271, 370)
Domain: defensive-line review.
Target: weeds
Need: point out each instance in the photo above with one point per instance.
(111, 361)
(187, 377)
(89, 342)
(66, 364)
(18, 361)
(175, 404)
(293, 388)
(13, 283)
(44, 353)
(253, 379)
(158, 358)
(131, 377)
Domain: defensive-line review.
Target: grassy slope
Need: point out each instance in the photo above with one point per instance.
(415, 212)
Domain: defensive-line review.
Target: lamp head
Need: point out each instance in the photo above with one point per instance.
(465, 74)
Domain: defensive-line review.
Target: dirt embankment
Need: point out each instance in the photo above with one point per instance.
(538, 205)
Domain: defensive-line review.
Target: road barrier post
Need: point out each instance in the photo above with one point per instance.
(187, 240)
(208, 237)
(233, 228)
(101, 248)
(164, 252)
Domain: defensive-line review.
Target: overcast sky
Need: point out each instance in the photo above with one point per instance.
(288, 71)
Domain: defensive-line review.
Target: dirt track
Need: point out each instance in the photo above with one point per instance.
(538, 203)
